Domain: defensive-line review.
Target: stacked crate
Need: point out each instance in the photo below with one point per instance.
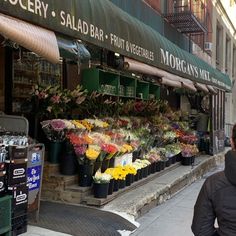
(3, 153)
(5, 201)
(5, 216)
(16, 181)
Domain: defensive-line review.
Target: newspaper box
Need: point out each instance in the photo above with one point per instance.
(34, 176)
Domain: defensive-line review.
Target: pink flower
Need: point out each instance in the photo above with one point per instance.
(57, 124)
(80, 149)
(55, 98)
(42, 95)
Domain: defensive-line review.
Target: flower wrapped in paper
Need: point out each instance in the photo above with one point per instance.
(55, 130)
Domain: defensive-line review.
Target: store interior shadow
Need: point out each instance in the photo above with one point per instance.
(80, 220)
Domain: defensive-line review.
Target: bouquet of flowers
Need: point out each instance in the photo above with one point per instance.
(188, 150)
(108, 150)
(55, 130)
(84, 148)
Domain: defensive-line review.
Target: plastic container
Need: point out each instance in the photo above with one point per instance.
(188, 161)
(16, 173)
(19, 225)
(2, 184)
(17, 124)
(16, 152)
(19, 200)
(5, 214)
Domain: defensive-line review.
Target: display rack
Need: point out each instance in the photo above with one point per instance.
(117, 84)
(29, 70)
(29, 159)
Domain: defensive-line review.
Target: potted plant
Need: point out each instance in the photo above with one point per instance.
(101, 184)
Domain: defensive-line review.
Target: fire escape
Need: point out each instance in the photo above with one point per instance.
(188, 17)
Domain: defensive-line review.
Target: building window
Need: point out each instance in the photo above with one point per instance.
(219, 43)
(227, 55)
(234, 62)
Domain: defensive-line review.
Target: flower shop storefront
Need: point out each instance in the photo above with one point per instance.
(119, 131)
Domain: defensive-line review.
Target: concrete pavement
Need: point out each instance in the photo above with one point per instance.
(160, 220)
(141, 199)
(174, 217)
(38, 231)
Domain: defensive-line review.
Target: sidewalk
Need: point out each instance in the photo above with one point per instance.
(38, 231)
(140, 200)
(177, 212)
(136, 202)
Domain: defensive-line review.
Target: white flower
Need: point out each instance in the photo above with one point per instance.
(101, 177)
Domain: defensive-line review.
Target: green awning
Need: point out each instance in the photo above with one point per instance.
(102, 23)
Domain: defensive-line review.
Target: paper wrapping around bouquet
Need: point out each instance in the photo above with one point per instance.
(123, 160)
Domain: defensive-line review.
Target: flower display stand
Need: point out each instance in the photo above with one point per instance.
(158, 166)
(129, 179)
(68, 164)
(153, 167)
(55, 150)
(100, 190)
(116, 185)
(178, 157)
(188, 161)
(85, 175)
(111, 187)
(105, 165)
(122, 183)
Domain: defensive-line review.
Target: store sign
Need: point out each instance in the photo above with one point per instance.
(33, 177)
(102, 23)
(35, 158)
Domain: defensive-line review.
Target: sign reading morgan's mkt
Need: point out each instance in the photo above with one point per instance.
(102, 23)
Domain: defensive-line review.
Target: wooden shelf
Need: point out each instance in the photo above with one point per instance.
(23, 83)
(121, 85)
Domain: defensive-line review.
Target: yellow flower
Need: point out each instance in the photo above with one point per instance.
(127, 147)
(105, 124)
(85, 123)
(92, 154)
(78, 124)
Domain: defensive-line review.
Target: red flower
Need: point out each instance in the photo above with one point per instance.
(76, 140)
(109, 148)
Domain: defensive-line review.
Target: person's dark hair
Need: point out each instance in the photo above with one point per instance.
(234, 135)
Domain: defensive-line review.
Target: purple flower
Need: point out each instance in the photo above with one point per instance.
(57, 124)
(80, 149)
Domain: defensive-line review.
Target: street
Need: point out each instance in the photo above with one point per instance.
(174, 217)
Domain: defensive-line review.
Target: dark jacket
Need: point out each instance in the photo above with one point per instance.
(217, 199)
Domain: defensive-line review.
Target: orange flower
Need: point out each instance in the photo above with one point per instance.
(88, 139)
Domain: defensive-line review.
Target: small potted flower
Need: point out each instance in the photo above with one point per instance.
(101, 184)
(188, 154)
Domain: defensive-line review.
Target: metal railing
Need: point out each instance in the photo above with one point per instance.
(197, 8)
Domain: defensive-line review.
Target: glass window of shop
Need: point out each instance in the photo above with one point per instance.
(29, 69)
